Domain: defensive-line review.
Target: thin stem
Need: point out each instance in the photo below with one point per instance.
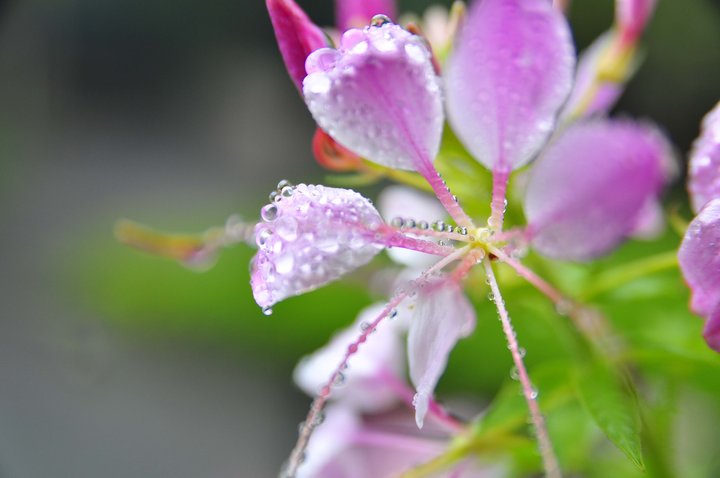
(629, 272)
(449, 202)
(396, 238)
(501, 176)
(550, 463)
(313, 418)
(538, 282)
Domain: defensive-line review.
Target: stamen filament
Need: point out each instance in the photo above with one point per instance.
(501, 175)
(550, 463)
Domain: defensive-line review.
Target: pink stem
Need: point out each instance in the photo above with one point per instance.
(312, 420)
(550, 463)
(445, 196)
(394, 238)
(497, 205)
(538, 282)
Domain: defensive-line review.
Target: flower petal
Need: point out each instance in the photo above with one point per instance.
(704, 165)
(591, 187)
(699, 257)
(372, 372)
(296, 36)
(329, 441)
(511, 70)
(358, 13)
(408, 203)
(442, 316)
(311, 236)
(712, 330)
(378, 96)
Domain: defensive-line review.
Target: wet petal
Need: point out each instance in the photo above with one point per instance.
(442, 316)
(378, 96)
(699, 257)
(408, 203)
(296, 36)
(358, 13)
(591, 186)
(509, 74)
(369, 380)
(704, 165)
(311, 236)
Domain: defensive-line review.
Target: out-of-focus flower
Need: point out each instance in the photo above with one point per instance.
(593, 186)
(704, 165)
(357, 13)
(699, 253)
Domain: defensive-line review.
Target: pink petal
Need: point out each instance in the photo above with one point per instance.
(712, 330)
(699, 257)
(511, 71)
(704, 165)
(651, 221)
(358, 13)
(329, 441)
(296, 35)
(369, 384)
(591, 186)
(632, 17)
(443, 315)
(378, 96)
(311, 236)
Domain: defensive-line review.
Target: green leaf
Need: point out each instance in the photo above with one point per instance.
(613, 409)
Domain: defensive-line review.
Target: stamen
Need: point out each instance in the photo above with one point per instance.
(550, 463)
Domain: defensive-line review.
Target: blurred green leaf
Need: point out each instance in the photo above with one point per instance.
(614, 410)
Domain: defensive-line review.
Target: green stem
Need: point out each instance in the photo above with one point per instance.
(629, 272)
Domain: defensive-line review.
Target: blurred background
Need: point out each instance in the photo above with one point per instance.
(179, 114)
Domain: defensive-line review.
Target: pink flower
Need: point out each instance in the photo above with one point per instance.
(699, 253)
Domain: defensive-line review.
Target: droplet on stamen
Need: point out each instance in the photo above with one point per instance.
(379, 20)
(269, 212)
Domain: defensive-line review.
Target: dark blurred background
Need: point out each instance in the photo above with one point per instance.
(179, 114)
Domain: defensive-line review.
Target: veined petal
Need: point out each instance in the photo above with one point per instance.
(358, 13)
(591, 187)
(311, 236)
(379, 96)
(296, 36)
(511, 70)
(372, 372)
(699, 257)
(443, 315)
(704, 165)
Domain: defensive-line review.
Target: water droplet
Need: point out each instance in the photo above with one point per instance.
(339, 379)
(450, 228)
(564, 307)
(534, 394)
(393, 314)
(410, 223)
(364, 326)
(491, 297)
(380, 20)
(267, 310)
(514, 373)
(283, 183)
(284, 264)
(317, 83)
(397, 222)
(463, 231)
(287, 228)
(522, 352)
(262, 237)
(287, 191)
(269, 212)
(439, 226)
(272, 196)
(423, 225)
